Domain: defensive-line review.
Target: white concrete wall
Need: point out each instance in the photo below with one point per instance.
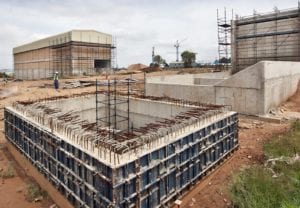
(259, 87)
(197, 93)
(280, 82)
(174, 79)
(254, 90)
(142, 111)
(205, 81)
(242, 91)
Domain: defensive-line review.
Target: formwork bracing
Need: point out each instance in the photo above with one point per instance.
(171, 145)
(271, 36)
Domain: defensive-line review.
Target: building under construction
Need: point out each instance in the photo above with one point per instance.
(110, 149)
(272, 36)
(75, 52)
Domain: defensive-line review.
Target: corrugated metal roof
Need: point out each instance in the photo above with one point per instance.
(88, 36)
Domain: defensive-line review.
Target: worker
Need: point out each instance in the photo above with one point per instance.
(5, 78)
(56, 84)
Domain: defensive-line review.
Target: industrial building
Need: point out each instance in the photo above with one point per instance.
(273, 36)
(75, 52)
(112, 150)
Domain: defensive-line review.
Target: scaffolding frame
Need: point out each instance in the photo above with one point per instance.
(69, 57)
(112, 118)
(224, 37)
(270, 36)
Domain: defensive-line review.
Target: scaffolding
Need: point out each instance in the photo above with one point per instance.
(224, 38)
(71, 58)
(110, 118)
(270, 36)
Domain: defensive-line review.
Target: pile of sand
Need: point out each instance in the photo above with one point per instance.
(136, 67)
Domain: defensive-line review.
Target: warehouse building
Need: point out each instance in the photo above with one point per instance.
(152, 159)
(75, 52)
(273, 36)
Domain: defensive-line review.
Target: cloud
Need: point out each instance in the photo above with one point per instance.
(138, 24)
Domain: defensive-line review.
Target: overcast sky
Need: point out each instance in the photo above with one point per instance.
(138, 24)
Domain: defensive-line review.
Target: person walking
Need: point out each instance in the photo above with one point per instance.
(5, 78)
(56, 84)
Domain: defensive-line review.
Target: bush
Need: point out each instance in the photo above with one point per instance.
(34, 192)
(8, 172)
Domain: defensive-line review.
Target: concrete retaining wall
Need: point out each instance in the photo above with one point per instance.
(254, 90)
(280, 82)
(197, 93)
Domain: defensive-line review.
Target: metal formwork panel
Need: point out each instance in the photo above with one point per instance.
(153, 180)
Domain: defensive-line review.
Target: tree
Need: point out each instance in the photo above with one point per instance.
(158, 60)
(224, 60)
(188, 58)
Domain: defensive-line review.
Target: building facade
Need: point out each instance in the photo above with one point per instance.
(75, 52)
(265, 37)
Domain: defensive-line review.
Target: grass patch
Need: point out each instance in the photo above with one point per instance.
(8, 172)
(34, 192)
(284, 145)
(276, 184)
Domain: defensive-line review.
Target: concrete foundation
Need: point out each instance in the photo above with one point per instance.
(254, 90)
(170, 146)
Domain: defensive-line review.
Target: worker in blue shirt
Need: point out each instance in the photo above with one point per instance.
(56, 84)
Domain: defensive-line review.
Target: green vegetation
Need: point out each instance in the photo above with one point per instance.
(8, 172)
(34, 192)
(188, 58)
(275, 184)
(157, 61)
(285, 145)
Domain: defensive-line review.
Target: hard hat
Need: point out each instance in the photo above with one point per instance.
(56, 72)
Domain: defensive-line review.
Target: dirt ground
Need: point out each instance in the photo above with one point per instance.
(211, 192)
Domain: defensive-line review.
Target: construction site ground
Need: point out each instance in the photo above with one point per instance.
(212, 191)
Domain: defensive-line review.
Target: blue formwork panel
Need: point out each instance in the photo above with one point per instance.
(153, 180)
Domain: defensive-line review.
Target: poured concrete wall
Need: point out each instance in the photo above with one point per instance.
(196, 93)
(141, 112)
(204, 81)
(280, 82)
(254, 90)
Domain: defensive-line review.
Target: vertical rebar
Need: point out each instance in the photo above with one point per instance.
(97, 119)
(115, 106)
(128, 93)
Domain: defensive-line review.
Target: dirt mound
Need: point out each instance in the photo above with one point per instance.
(194, 70)
(136, 67)
(151, 69)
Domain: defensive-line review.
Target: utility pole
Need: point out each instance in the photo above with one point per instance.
(177, 45)
(153, 54)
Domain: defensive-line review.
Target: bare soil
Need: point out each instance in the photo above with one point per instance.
(213, 191)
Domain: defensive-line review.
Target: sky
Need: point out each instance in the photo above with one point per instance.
(138, 25)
